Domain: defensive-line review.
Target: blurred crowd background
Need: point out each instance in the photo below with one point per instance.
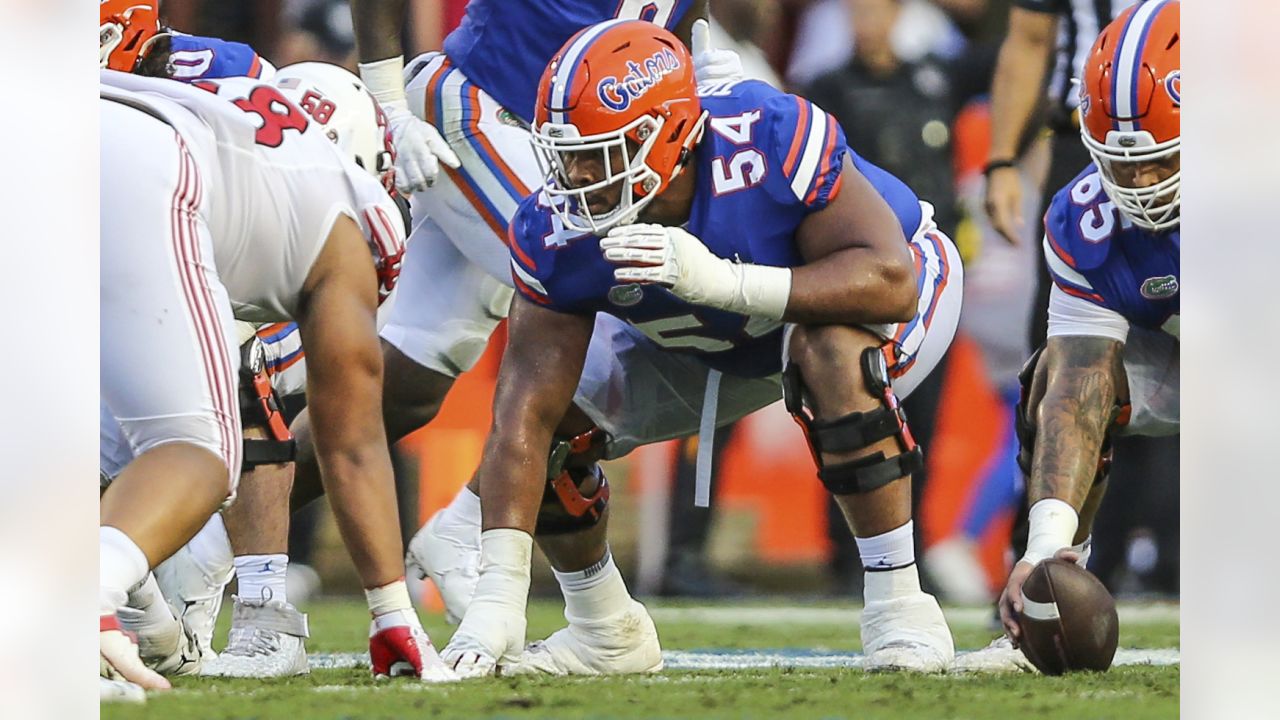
(910, 81)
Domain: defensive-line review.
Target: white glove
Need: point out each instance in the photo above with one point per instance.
(419, 146)
(493, 630)
(711, 65)
(678, 261)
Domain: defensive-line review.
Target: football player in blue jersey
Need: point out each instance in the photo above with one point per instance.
(1112, 241)
(456, 283)
(131, 39)
(689, 257)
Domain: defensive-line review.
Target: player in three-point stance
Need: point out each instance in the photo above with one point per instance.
(689, 259)
(228, 199)
(456, 285)
(1112, 243)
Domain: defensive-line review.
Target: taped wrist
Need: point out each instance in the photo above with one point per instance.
(388, 598)
(1053, 525)
(385, 79)
(758, 290)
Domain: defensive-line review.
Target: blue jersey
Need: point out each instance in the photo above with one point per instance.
(1095, 253)
(204, 58)
(766, 161)
(503, 46)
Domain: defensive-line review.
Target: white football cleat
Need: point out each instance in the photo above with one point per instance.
(167, 647)
(120, 691)
(267, 640)
(998, 657)
(908, 633)
(449, 553)
(195, 597)
(623, 643)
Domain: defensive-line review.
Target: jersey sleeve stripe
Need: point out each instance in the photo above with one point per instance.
(827, 152)
(255, 67)
(1052, 243)
(1062, 269)
(518, 251)
(811, 154)
(1091, 297)
(798, 138)
(528, 285)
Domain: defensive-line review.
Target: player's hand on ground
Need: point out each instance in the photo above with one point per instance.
(709, 64)
(1011, 599)
(398, 646)
(491, 634)
(1004, 203)
(419, 148)
(669, 257)
(119, 658)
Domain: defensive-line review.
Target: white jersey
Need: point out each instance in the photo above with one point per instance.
(276, 184)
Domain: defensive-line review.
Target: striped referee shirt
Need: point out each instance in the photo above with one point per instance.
(1080, 23)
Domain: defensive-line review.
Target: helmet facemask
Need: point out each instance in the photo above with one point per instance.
(624, 164)
(1154, 206)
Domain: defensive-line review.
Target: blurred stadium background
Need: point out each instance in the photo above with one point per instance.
(909, 79)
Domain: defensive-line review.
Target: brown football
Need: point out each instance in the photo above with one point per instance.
(1068, 619)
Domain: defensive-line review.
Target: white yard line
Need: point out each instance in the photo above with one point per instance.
(763, 659)
(1132, 614)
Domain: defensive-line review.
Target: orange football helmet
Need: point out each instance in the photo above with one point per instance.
(624, 89)
(126, 29)
(1130, 108)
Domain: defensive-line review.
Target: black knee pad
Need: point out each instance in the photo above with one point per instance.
(260, 405)
(572, 465)
(856, 431)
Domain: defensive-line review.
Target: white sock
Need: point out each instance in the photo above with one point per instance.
(888, 551)
(262, 577)
(594, 593)
(121, 566)
(890, 584)
(464, 511)
(211, 552)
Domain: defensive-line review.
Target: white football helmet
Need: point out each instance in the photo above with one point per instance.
(339, 101)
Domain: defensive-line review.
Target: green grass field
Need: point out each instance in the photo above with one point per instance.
(1131, 691)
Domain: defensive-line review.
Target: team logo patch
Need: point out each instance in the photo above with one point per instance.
(618, 94)
(1173, 86)
(626, 295)
(1159, 288)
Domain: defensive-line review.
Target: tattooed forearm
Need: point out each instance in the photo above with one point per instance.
(1073, 416)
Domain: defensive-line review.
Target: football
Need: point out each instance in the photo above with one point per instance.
(1068, 619)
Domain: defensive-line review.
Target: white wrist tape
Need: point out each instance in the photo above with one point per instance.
(388, 598)
(760, 290)
(505, 558)
(1053, 527)
(755, 290)
(385, 79)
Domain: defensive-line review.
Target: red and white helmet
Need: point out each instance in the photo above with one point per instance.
(624, 88)
(339, 102)
(126, 28)
(1130, 108)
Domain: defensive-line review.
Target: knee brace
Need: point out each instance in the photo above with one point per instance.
(1024, 423)
(856, 431)
(572, 464)
(260, 405)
